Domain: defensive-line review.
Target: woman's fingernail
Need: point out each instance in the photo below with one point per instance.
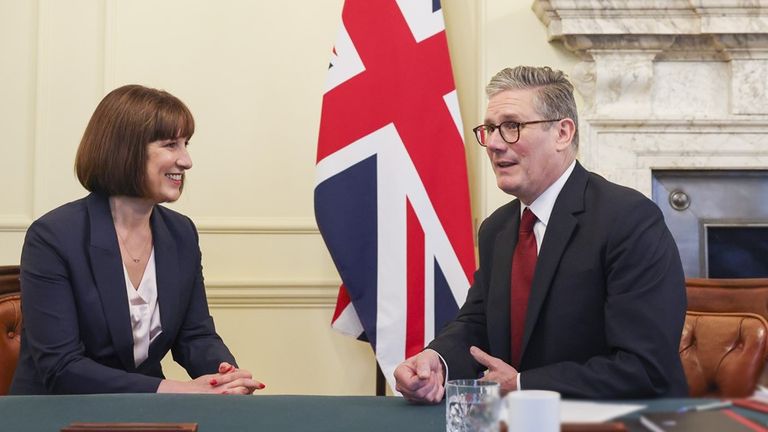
(213, 381)
(262, 386)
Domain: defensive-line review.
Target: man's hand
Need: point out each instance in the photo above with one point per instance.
(420, 378)
(498, 371)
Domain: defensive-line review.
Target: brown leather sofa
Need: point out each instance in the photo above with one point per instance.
(723, 354)
(10, 324)
(728, 295)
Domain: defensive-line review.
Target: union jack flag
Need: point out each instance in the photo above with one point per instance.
(391, 193)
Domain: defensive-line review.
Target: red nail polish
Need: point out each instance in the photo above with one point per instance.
(262, 386)
(213, 381)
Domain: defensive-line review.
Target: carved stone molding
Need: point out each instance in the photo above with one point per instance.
(666, 83)
(625, 37)
(652, 17)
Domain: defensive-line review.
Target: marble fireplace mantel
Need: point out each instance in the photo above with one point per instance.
(666, 84)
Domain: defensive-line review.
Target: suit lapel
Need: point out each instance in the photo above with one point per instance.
(109, 277)
(499, 287)
(562, 224)
(167, 274)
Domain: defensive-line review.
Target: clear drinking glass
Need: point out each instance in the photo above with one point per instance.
(472, 406)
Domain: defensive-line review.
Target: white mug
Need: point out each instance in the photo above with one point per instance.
(532, 411)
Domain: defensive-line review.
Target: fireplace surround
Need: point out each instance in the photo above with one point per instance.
(676, 90)
(718, 219)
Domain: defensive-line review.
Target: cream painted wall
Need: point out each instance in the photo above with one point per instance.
(253, 74)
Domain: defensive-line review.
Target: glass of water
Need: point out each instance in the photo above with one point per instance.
(472, 406)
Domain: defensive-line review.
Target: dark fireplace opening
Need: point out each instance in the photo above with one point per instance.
(719, 219)
(736, 251)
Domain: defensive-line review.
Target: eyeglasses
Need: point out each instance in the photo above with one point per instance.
(509, 130)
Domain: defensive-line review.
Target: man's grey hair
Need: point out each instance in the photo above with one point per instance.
(554, 93)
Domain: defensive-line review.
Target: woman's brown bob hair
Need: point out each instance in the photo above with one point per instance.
(112, 157)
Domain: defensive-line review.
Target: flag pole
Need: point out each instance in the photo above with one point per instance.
(381, 383)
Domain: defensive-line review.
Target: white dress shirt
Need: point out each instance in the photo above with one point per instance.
(144, 310)
(542, 207)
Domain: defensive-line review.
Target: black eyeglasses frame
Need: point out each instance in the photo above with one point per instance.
(494, 127)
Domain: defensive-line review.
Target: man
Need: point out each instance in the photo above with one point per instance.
(591, 303)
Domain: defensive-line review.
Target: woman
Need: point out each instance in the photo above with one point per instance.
(111, 282)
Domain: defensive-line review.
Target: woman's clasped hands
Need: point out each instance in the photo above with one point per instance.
(228, 380)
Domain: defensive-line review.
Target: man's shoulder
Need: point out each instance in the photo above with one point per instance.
(502, 215)
(497, 221)
(614, 195)
(612, 208)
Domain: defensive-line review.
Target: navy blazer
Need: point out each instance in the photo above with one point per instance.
(607, 302)
(77, 335)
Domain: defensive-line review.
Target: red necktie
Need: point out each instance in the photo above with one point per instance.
(523, 266)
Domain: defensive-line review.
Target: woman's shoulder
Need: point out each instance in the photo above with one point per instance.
(174, 220)
(172, 216)
(64, 225)
(67, 215)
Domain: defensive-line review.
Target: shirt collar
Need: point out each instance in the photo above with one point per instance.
(543, 205)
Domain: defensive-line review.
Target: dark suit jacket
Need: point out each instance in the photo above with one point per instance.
(77, 331)
(607, 301)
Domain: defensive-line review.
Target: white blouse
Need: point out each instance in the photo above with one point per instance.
(144, 310)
